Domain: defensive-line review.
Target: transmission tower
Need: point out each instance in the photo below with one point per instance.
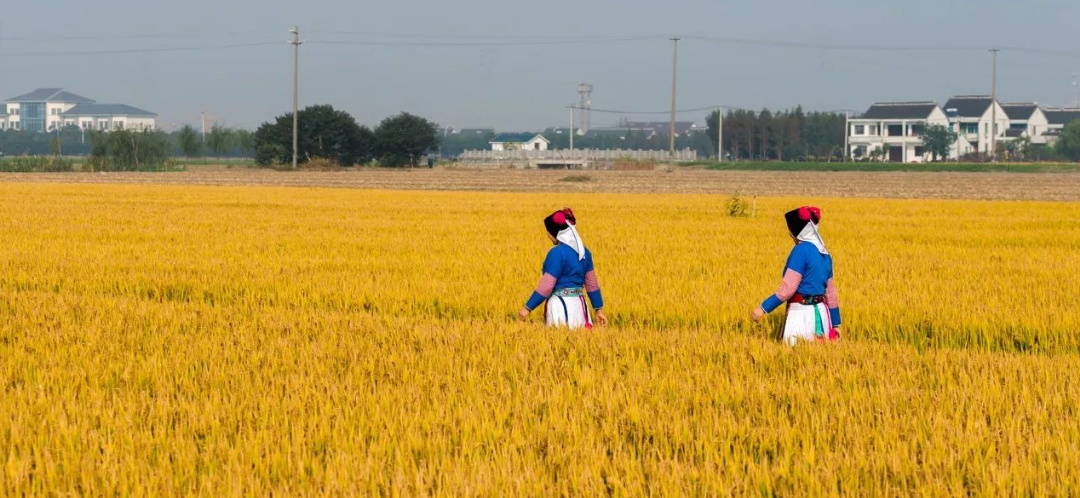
(585, 91)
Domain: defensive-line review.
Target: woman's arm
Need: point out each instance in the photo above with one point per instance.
(552, 271)
(832, 300)
(788, 286)
(542, 292)
(796, 262)
(592, 285)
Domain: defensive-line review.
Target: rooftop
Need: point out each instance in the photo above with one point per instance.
(1061, 115)
(900, 110)
(969, 106)
(107, 110)
(51, 95)
(1020, 110)
(515, 137)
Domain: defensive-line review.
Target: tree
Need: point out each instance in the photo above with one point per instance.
(1068, 144)
(323, 132)
(219, 140)
(189, 141)
(937, 140)
(402, 139)
(245, 141)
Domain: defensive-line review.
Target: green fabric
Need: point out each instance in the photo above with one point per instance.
(819, 330)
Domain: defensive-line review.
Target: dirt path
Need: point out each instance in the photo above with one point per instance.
(998, 186)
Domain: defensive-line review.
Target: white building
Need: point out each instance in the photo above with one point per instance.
(519, 141)
(1026, 120)
(47, 109)
(970, 116)
(893, 129)
(1058, 117)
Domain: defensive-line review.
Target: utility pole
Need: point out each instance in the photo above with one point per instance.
(571, 129)
(295, 42)
(1076, 91)
(719, 134)
(847, 133)
(674, 85)
(993, 109)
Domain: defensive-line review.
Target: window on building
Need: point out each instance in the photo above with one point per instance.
(860, 129)
(896, 130)
(119, 125)
(916, 130)
(920, 151)
(970, 128)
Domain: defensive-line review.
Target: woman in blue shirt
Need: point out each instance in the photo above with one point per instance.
(813, 303)
(568, 269)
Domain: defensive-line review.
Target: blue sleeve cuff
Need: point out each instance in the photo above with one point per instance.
(535, 301)
(771, 303)
(596, 299)
(835, 314)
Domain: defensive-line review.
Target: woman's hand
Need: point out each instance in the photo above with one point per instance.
(601, 319)
(757, 314)
(523, 313)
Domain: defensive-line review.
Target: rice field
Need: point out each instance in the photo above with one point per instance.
(239, 341)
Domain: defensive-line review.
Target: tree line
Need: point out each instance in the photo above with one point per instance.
(783, 135)
(325, 133)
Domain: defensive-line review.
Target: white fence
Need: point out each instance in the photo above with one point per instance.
(577, 155)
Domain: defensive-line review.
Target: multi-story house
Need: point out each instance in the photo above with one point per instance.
(1058, 117)
(47, 109)
(1026, 120)
(892, 131)
(979, 121)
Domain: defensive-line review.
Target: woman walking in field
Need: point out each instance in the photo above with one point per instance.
(813, 304)
(568, 269)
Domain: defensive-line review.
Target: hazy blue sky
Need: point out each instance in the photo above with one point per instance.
(513, 86)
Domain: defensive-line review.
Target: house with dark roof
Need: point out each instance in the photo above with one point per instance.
(519, 141)
(979, 121)
(892, 131)
(1026, 120)
(1058, 117)
(46, 109)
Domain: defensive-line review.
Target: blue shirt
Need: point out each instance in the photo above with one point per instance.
(562, 263)
(816, 270)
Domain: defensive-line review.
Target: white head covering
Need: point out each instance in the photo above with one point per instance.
(810, 234)
(570, 237)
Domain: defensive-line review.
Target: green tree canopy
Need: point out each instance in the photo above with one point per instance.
(219, 140)
(937, 140)
(189, 142)
(402, 139)
(1068, 144)
(323, 132)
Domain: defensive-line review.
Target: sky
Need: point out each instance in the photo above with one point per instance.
(515, 66)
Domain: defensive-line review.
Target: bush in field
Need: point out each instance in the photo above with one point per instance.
(323, 132)
(126, 150)
(36, 164)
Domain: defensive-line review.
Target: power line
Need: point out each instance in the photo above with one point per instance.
(125, 36)
(579, 41)
(485, 37)
(136, 50)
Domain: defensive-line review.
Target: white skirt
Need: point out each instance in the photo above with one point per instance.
(802, 323)
(570, 312)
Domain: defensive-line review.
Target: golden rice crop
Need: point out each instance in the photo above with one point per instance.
(254, 341)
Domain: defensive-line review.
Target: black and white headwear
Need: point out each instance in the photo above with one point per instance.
(803, 225)
(560, 225)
